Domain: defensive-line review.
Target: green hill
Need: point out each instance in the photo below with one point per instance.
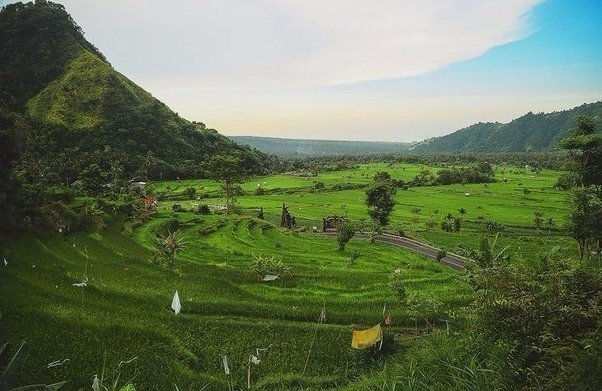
(75, 101)
(531, 132)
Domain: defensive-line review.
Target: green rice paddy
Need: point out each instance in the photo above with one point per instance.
(124, 311)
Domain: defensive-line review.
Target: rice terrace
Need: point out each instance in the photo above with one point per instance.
(143, 251)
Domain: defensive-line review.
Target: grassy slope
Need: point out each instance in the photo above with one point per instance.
(505, 203)
(125, 310)
(72, 99)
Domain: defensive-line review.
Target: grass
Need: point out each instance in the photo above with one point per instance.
(123, 312)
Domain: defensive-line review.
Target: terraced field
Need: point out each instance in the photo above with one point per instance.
(123, 312)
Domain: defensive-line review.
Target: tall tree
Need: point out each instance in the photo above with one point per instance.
(585, 148)
(380, 198)
(585, 219)
(585, 215)
(229, 170)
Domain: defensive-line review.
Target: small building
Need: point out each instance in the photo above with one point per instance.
(331, 222)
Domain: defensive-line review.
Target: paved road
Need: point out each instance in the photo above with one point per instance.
(451, 260)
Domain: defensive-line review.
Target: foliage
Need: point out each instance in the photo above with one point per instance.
(585, 147)
(263, 266)
(542, 321)
(493, 227)
(451, 223)
(424, 178)
(230, 170)
(82, 112)
(380, 198)
(292, 148)
(202, 209)
(440, 255)
(585, 213)
(15, 363)
(481, 173)
(538, 219)
(110, 378)
(398, 285)
(585, 218)
(345, 231)
(190, 192)
(167, 248)
(531, 132)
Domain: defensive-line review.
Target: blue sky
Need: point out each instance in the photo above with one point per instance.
(394, 70)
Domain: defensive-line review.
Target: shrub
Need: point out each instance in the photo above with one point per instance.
(263, 266)
(441, 254)
(493, 227)
(345, 231)
(446, 225)
(190, 192)
(202, 209)
(167, 247)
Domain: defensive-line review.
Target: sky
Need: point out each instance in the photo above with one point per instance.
(381, 70)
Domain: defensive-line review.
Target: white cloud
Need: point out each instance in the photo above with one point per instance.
(293, 43)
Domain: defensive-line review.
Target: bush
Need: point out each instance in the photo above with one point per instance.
(202, 209)
(167, 248)
(263, 266)
(493, 227)
(190, 192)
(441, 254)
(345, 231)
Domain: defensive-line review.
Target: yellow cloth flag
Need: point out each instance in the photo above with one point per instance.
(365, 338)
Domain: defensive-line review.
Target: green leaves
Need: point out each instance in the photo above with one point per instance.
(380, 198)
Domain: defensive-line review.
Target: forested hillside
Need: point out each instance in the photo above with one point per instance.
(529, 133)
(77, 106)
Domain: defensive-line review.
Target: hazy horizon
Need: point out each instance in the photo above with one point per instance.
(399, 71)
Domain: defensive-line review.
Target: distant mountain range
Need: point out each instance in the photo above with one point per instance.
(299, 147)
(531, 132)
(74, 100)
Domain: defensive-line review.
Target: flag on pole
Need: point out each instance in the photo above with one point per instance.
(365, 338)
(225, 362)
(96, 383)
(175, 303)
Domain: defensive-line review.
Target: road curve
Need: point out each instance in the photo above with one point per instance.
(452, 260)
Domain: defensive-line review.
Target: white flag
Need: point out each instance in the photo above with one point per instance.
(225, 362)
(96, 383)
(175, 303)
